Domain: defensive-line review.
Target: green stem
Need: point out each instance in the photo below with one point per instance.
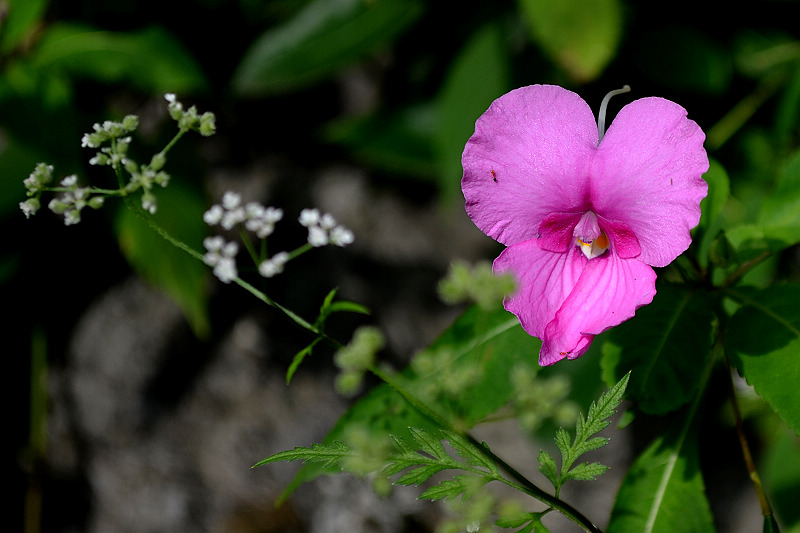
(766, 511)
(520, 482)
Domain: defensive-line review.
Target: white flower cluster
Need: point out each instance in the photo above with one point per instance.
(73, 200)
(255, 217)
(38, 179)
(323, 229)
(222, 256)
(231, 213)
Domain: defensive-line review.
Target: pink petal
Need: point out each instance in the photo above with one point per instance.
(647, 174)
(528, 158)
(565, 299)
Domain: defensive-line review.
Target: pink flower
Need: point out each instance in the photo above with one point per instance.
(584, 216)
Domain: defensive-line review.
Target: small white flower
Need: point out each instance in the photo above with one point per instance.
(341, 236)
(69, 181)
(232, 217)
(213, 216)
(225, 269)
(231, 200)
(170, 97)
(309, 217)
(214, 244)
(327, 222)
(273, 214)
(317, 236)
(29, 207)
(274, 265)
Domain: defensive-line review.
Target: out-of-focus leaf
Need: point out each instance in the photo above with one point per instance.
(787, 116)
(763, 340)
(485, 344)
(781, 474)
(323, 37)
(401, 142)
(757, 53)
(479, 75)
(686, 59)
(16, 163)
(580, 37)
(184, 278)
(711, 207)
(665, 347)
(18, 21)
(150, 59)
(663, 492)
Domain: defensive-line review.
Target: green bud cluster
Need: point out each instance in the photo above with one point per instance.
(189, 119)
(441, 375)
(478, 284)
(356, 358)
(537, 399)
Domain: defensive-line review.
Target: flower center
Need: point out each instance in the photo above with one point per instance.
(592, 240)
(593, 248)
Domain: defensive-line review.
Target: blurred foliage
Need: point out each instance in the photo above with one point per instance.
(278, 73)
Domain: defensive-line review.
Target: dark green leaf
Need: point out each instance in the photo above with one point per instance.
(763, 340)
(150, 59)
(19, 21)
(478, 75)
(320, 39)
(665, 347)
(184, 278)
(663, 492)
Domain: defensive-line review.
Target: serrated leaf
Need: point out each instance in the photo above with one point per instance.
(452, 488)
(150, 59)
(419, 474)
(429, 443)
(548, 467)
(515, 520)
(763, 340)
(326, 454)
(467, 451)
(665, 347)
(585, 471)
(321, 38)
(491, 342)
(183, 278)
(663, 492)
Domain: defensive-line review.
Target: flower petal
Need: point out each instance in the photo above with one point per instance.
(529, 157)
(565, 299)
(647, 174)
(608, 292)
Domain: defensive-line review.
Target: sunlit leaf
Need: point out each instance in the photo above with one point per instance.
(321, 38)
(763, 339)
(580, 37)
(185, 279)
(663, 491)
(151, 59)
(665, 347)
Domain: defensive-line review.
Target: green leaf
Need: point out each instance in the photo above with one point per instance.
(580, 37)
(548, 467)
(664, 346)
(663, 492)
(781, 475)
(150, 59)
(329, 455)
(399, 142)
(586, 472)
(452, 488)
(719, 190)
(298, 359)
(479, 75)
(782, 205)
(763, 340)
(184, 278)
(19, 21)
(323, 37)
(420, 474)
(488, 343)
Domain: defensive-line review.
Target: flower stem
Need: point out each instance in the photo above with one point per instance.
(766, 511)
(520, 482)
